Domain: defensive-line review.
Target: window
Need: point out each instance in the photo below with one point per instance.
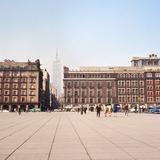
(83, 84)
(15, 79)
(31, 93)
(141, 91)
(128, 83)
(69, 84)
(69, 93)
(6, 86)
(32, 80)
(75, 84)
(6, 99)
(91, 100)
(23, 99)
(149, 82)
(83, 93)
(76, 93)
(120, 99)
(68, 100)
(23, 86)
(14, 99)
(23, 92)
(15, 92)
(99, 93)
(157, 99)
(99, 100)
(91, 84)
(128, 99)
(15, 86)
(157, 74)
(141, 83)
(32, 86)
(127, 75)
(99, 84)
(76, 100)
(23, 80)
(157, 87)
(157, 82)
(32, 99)
(128, 91)
(141, 75)
(6, 79)
(149, 75)
(83, 100)
(6, 92)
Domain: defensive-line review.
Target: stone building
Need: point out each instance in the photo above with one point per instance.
(20, 85)
(45, 101)
(134, 85)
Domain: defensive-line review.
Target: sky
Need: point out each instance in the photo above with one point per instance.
(86, 32)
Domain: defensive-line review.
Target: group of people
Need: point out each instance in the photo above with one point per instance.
(83, 109)
(109, 109)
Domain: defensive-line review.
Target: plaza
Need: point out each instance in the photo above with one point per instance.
(71, 136)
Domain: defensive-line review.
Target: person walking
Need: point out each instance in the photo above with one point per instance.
(106, 110)
(115, 109)
(126, 109)
(19, 110)
(82, 109)
(85, 110)
(98, 108)
(109, 112)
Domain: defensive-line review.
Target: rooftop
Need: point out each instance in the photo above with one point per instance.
(12, 65)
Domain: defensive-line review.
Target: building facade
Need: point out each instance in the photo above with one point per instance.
(134, 85)
(20, 85)
(45, 101)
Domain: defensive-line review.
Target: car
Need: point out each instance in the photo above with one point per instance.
(73, 110)
(5, 110)
(34, 110)
(132, 109)
(155, 109)
(57, 110)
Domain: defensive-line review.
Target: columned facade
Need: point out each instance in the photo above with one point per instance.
(134, 85)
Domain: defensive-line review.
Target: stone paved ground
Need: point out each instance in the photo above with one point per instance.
(71, 136)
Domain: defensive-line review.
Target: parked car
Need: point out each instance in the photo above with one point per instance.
(34, 110)
(5, 110)
(57, 110)
(155, 109)
(132, 109)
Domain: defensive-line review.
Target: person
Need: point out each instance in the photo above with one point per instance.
(19, 110)
(126, 109)
(143, 108)
(109, 112)
(85, 109)
(98, 108)
(78, 109)
(115, 108)
(106, 110)
(82, 109)
(135, 107)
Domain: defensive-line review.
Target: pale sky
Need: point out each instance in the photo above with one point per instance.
(86, 32)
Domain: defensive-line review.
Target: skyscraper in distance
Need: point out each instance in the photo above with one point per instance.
(58, 75)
